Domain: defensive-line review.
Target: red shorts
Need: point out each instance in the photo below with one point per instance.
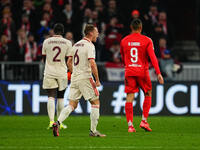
(133, 83)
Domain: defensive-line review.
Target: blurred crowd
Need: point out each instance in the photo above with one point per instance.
(24, 24)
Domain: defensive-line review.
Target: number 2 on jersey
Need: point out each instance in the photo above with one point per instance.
(55, 57)
(134, 55)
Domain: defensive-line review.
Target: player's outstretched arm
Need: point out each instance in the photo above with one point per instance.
(69, 64)
(95, 71)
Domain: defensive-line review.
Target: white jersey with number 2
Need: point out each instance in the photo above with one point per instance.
(56, 50)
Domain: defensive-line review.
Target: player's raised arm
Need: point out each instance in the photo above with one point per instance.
(95, 71)
(154, 61)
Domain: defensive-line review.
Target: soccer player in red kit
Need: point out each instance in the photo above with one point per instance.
(136, 50)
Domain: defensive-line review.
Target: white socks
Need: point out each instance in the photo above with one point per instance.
(51, 108)
(94, 117)
(143, 118)
(59, 106)
(65, 113)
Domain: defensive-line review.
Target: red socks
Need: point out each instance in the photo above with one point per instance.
(129, 110)
(129, 113)
(146, 106)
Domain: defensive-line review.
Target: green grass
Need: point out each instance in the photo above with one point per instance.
(29, 132)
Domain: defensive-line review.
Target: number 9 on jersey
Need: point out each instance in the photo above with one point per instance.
(134, 55)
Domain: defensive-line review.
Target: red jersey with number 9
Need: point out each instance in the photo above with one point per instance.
(136, 50)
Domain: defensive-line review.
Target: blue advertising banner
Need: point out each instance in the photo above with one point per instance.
(173, 98)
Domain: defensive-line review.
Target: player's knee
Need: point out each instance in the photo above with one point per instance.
(130, 97)
(95, 102)
(148, 93)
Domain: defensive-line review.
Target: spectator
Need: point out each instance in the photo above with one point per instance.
(69, 35)
(47, 8)
(45, 26)
(98, 23)
(39, 18)
(68, 17)
(152, 15)
(29, 10)
(4, 3)
(51, 33)
(25, 24)
(166, 65)
(48, 1)
(99, 7)
(113, 32)
(157, 34)
(4, 50)
(135, 14)
(21, 42)
(31, 49)
(115, 50)
(162, 47)
(111, 10)
(7, 25)
(87, 18)
(147, 27)
(84, 4)
(167, 28)
(162, 19)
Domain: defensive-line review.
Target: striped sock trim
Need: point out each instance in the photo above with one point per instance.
(95, 106)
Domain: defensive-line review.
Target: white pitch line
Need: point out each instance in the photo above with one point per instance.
(93, 147)
(78, 147)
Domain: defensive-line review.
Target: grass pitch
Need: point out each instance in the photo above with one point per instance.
(29, 132)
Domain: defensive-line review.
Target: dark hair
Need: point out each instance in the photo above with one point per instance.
(136, 24)
(58, 29)
(88, 28)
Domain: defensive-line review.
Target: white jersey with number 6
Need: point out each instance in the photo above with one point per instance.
(82, 51)
(56, 49)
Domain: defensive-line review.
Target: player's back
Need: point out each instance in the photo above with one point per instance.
(56, 49)
(134, 48)
(82, 51)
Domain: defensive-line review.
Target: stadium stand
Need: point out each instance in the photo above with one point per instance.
(24, 24)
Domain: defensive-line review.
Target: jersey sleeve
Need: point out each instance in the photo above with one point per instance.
(44, 48)
(122, 52)
(69, 50)
(91, 52)
(151, 53)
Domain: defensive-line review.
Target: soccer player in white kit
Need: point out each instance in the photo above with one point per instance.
(83, 65)
(55, 50)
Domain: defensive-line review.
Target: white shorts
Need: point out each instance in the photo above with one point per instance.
(85, 87)
(52, 83)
